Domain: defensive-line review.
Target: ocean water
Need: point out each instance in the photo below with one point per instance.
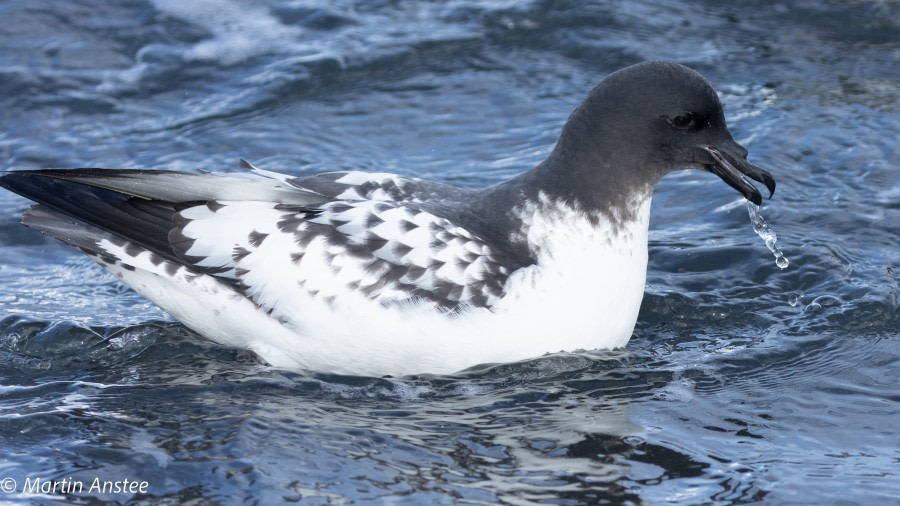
(743, 383)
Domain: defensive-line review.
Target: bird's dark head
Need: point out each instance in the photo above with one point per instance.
(652, 118)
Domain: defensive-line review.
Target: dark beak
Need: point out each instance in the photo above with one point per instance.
(730, 163)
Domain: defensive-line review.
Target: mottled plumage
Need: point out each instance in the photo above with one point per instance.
(385, 251)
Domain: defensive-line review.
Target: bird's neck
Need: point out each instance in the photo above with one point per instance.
(574, 181)
(583, 180)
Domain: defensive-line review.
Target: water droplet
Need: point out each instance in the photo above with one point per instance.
(768, 235)
(793, 300)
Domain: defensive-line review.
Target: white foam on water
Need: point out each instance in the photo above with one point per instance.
(678, 390)
(239, 31)
(763, 230)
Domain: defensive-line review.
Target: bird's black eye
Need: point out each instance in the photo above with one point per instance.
(683, 121)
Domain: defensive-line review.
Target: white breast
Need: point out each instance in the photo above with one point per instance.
(585, 290)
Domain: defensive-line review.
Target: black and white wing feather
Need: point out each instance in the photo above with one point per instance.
(383, 251)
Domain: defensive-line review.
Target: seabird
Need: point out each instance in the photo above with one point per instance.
(380, 274)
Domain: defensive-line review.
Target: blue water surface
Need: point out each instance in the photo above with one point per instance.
(743, 383)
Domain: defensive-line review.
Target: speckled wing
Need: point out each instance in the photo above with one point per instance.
(384, 251)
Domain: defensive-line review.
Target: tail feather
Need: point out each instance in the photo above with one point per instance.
(146, 223)
(67, 229)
